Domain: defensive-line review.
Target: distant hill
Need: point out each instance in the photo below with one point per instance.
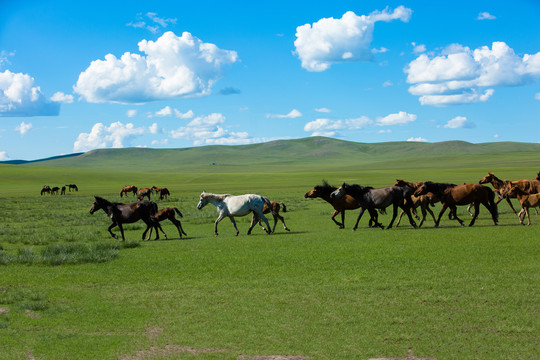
(294, 155)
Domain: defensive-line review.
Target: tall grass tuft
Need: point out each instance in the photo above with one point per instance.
(78, 253)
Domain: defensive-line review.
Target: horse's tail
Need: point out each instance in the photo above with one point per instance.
(283, 206)
(269, 204)
(153, 211)
(178, 212)
(121, 192)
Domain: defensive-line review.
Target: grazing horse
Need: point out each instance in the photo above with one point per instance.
(340, 204)
(424, 201)
(54, 190)
(163, 192)
(46, 189)
(128, 189)
(144, 192)
(276, 207)
(526, 200)
(127, 213)
(168, 213)
(499, 186)
(381, 198)
(72, 186)
(230, 206)
(452, 195)
(63, 191)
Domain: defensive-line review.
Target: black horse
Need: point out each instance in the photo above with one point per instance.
(128, 213)
(72, 186)
(370, 199)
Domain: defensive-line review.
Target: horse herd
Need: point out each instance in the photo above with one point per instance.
(404, 195)
(54, 190)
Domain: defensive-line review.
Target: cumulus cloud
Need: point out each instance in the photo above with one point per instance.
(4, 156)
(207, 130)
(329, 40)
(112, 136)
(459, 122)
(131, 113)
(171, 67)
(293, 114)
(460, 75)
(23, 128)
(400, 118)
(60, 97)
(19, 97)
(485, 16)
(418, 48)
(328, 127)
(417, 139)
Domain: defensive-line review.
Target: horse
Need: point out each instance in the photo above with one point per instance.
(236, 205)
(163, 192)
(537, 176)
(452, 195)
(499, 186)
(72, 186)
(127, 189)
(340, 204)
(422, 201)
(276, 207)
(54, 190)
(46, 189)
(526, 201)
(127, 213)
(168, 213)
(63, 191)
(144, 192)
(381, 198)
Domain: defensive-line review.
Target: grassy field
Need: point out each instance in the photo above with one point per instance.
(70, 291)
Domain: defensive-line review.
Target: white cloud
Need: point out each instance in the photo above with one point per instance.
(4, 156)
(206, 130)
(154, 128)
(400, 118)
(114, 136)
(62, 98)
(347, 39)
(23, 128)
(537, 96)
(131, 113)
(459, 74)
(156, 22)
(485, 16)
(459, 122)
(166, 111)
(327, 127)
(418, 48)
(291, 115)
(171, 67)
(323, 110)
(187, 115)
(417, 139)
(387, 83)
(19, 97)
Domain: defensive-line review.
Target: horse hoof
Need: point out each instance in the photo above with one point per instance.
(287, 229)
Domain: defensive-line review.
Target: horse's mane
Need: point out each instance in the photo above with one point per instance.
(438, 187)
(356, 189)
(325, 187)
(218, 197)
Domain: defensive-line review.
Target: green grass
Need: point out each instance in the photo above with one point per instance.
(318, 292)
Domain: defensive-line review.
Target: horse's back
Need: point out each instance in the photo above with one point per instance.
(240, 205)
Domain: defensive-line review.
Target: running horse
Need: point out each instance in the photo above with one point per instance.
(168, 213)
(340, 204)
(128, 189)
(499, 186)
(236, 205)
(276, 207)
(422, 201)
(380, 198)
(452, 195)
(127, 213)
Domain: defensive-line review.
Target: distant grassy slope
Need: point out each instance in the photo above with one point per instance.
(301, 155)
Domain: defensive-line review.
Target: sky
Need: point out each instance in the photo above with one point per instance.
(77, 76)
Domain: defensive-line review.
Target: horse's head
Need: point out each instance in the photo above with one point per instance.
(98, 204)
(339, 192)
(511, 191)
(203, 201)
(320, 191)
(423, 189)
(402, 183)
(487, 179)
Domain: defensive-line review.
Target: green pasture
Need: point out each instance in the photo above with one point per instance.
(70, 291)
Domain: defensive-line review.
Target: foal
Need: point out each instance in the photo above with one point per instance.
(168, 213)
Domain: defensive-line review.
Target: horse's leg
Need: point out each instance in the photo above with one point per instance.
(411, 220)
(254, 220)
(374, 218)
(453, 210)
(469, 209)
(431, 212)
(399, 218)
(444, 207)
(177, 224)
(342, 225)
(394, 215)
(261, 216)
(220, 217)
(121, 231)
(528, 217)
(110, 230)
(234, 223)
(359, 217)
(283, 221)
(509, 203)
(477, 211)
(275, 222)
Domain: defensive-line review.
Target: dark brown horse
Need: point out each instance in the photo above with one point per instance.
(72, 187)
(128, 189)
(371, 199)
(276, 206)
(452, 195)
(163, 192)
(54, 190)
(127, 213)
(63, 191)
(422, 201)
(144, 192)
(46, 189)
(340, 204)
(499, 186)
(168, 213)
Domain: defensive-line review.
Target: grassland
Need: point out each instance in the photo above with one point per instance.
(316, 292)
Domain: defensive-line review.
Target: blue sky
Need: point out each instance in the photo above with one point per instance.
(75, 77)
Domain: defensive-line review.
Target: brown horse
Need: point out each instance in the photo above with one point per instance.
(452, 195)
(422, 201)
(276, 206)
(46, 189)
(168, 213)
(72, 186)
(144, 192)
(127, 213)
(63, 191)
(54, 190)
(499, 186)
(128, 189)
(340, 204)
(526, 200)
(163, 192)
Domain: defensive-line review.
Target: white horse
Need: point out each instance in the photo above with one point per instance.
(241, 205)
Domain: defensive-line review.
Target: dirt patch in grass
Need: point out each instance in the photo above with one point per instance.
(272, 357)
(410, 356)
(153, 332)
(32, 315)
(169, 350)
(4, 310)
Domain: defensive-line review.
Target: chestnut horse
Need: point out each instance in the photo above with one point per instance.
(526, 200)
(452, 195)
(499, 186)
(340, 204)
(144, 192)
(168, 213)
(163, 192)
(128, 189)
(46, 189)
(276, 207)
(127, 213)
(422, 201)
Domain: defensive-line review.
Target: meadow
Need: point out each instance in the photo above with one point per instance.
(70, 291)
